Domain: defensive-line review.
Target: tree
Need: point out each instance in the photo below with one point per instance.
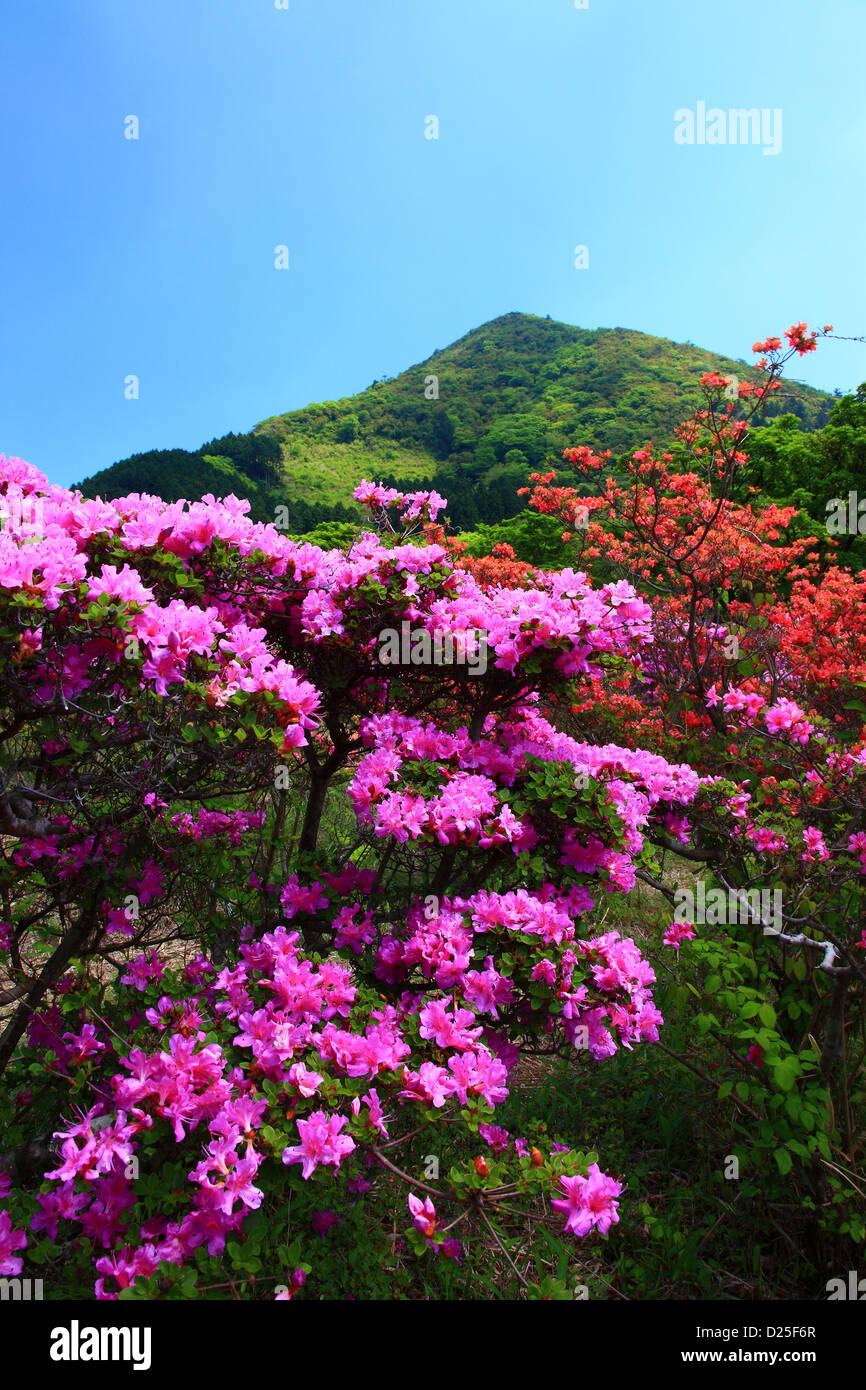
(347, 429)
(444, 432)
(204, 742)
(753, 674)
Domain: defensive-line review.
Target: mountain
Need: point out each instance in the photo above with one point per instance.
(475, 417)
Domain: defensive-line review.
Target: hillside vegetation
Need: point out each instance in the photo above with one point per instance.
(474, 419)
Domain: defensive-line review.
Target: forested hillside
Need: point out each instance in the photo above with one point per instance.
(474, 419)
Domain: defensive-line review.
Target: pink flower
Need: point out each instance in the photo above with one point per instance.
(857, 845)
(494, 1136)
(82, 1045)
(545, 970)
(784, 716)
(431, 1084)
(448, 1029)
(815, 845)
(423, 1214)
(765, 840)
(322, 1221)
(64, 1202)
(151, 883)
(297, 1280)
(307, 1082)
(10, 1240)
(142, 970)
(321, 1142)
(126, 585)
(451, 1249)
(376, 1120)
(589, 1202)
(294, 898)
(677, 933)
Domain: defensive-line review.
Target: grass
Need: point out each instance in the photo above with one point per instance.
(327, 472)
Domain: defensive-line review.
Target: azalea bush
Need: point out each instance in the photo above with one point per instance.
(281, 918)
(756, 678)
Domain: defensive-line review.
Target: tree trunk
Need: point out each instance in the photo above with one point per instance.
(69, 945)
(313, 816)
(834, 1033)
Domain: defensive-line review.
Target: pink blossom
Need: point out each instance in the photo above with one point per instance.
(677, 933)
(588, 1202)
(10, 1241)
(423, 1214)
(321, 1142)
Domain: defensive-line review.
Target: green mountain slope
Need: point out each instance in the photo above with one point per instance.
(476, 417)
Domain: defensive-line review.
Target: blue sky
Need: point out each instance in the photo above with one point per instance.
(305, 127)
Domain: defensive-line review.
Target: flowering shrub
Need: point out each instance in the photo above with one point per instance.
(754, 677)
(215, 996)
(756, 659)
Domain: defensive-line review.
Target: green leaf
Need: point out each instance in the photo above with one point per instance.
(796, 1147)
(785, 1073)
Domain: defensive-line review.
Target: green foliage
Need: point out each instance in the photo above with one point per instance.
(347, 429)
(809, 469)
(333, 535)
(534, 538)
(694, 1225)
(245, 464)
